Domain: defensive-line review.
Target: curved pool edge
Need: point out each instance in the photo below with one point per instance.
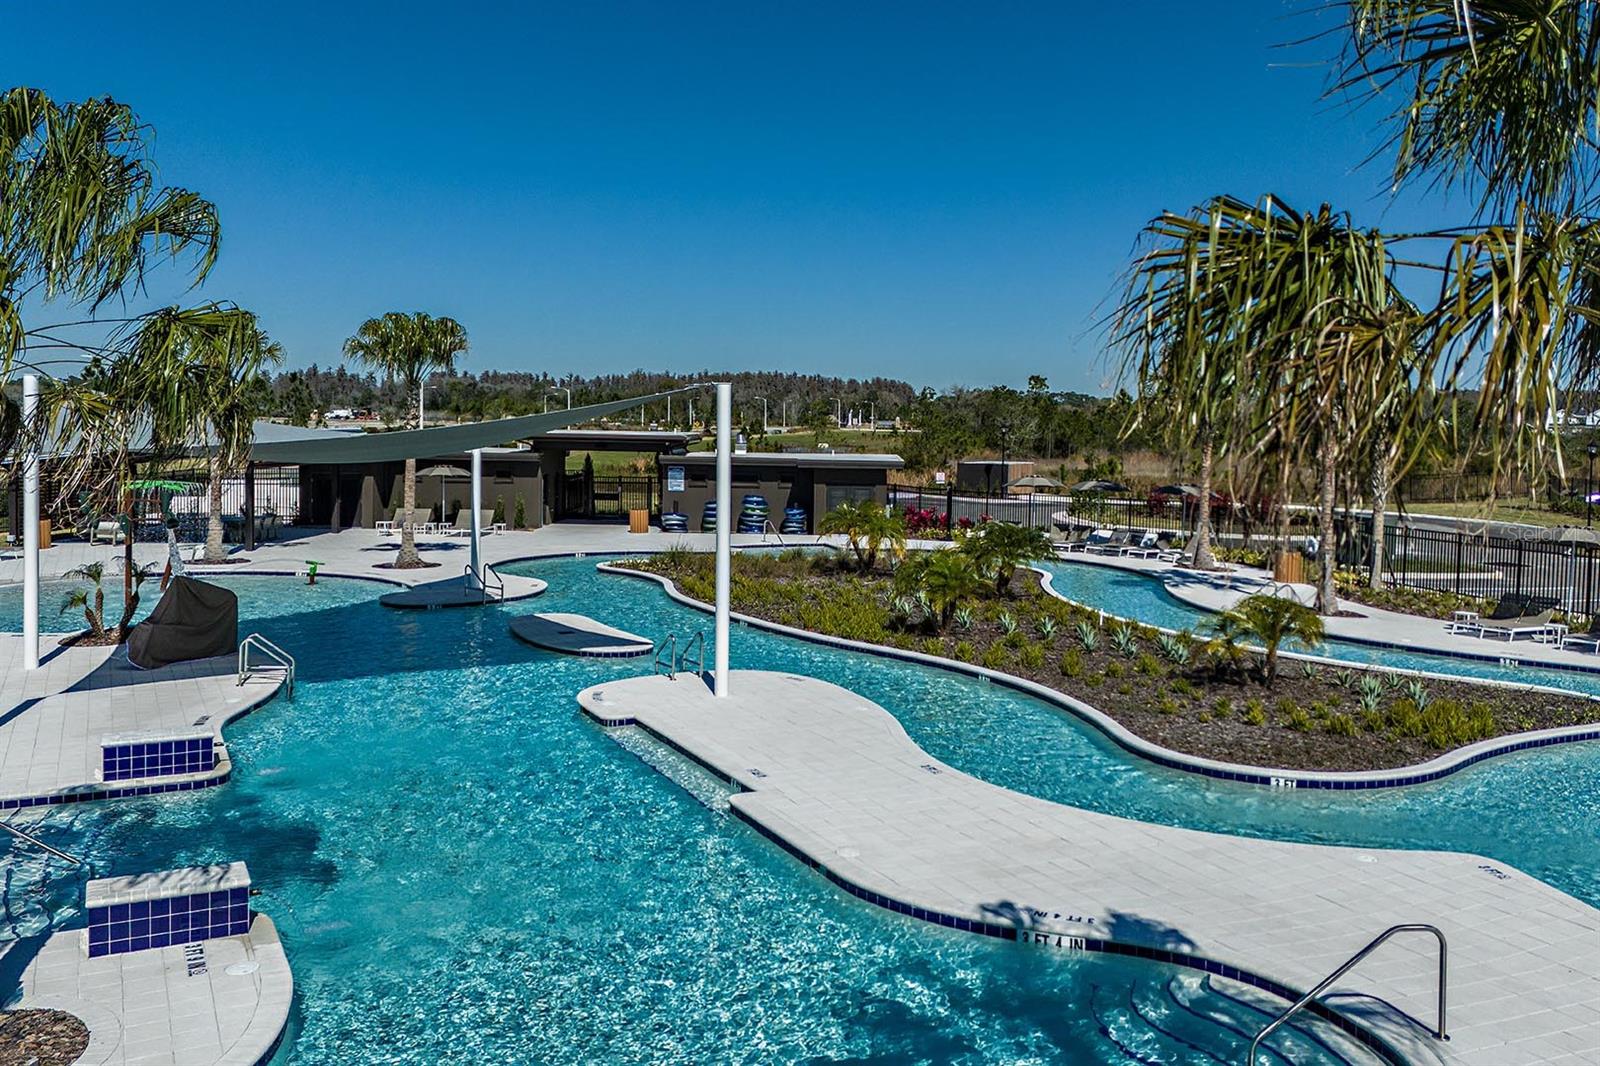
(1354, 780)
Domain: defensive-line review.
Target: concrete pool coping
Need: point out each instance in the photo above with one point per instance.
(177, 1004)
(835, 780)
(1271, 777)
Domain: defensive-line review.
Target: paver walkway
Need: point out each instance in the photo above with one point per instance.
(221, 1002)
(52, 718)
(836, 778)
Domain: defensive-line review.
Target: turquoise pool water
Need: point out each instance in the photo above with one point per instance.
(259, 597)
(464, 869)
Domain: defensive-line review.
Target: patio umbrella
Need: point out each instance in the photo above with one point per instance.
(1178, 490)
(442, 471)
(1099, 486)
(1034, 481)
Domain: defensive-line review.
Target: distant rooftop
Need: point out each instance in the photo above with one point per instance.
(798, 458)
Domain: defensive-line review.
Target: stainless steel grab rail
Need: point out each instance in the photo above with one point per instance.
(488, 581)
(29, 838)
(278, 658)
(777, 536)
(698, 641)
(1349, 964)
(669, 644)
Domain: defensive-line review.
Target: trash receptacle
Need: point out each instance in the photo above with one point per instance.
(638, 520)
(44, 533)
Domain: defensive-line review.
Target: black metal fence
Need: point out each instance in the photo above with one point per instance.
(584, 496)
(1478, 565)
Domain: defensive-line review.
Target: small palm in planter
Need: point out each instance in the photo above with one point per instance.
(92, 602)
(1272, 621)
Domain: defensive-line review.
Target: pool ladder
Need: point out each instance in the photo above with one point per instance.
(1350, 964)
(278, 661)
(489, 582)
(670, 660)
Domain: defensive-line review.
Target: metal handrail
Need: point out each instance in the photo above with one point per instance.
(280, 659)
(485, 585)
(29, 838)
(697, 641)
(775, 534)
(669, 644)
(1349, 964)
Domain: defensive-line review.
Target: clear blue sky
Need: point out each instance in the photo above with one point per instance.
(943, 193)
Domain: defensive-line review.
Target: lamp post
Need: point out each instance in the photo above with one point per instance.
(1588, 488)
(562, 388)
(763, 400)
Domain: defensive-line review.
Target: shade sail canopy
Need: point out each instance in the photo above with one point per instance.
(292, 444)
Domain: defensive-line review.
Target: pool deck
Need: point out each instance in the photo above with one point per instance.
(54, 717)
(835, 779)
(174, 1006)
(577, 634)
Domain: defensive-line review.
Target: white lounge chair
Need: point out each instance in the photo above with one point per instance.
(463, 526)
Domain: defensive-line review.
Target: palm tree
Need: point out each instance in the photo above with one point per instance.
(948, 578)
(94, 608)
(407, 348)
(1270, 621)
(998, 548)
(233, 393)
(868, 526)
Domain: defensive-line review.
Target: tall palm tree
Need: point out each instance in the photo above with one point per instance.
(233, 391)
(407, 348)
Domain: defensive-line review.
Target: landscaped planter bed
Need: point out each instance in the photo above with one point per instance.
(1321, 718)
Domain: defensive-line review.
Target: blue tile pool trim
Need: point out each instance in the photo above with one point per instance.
(90, 793)
(157, 758)
(158, 923)
(1005, 931)
(1144, 749)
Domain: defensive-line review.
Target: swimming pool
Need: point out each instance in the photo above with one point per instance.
(464, 869)
(1144, 598)
(260, 596)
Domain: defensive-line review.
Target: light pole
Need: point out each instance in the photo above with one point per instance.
(561, 388)
(763, 400)
(838, 412)
(1588, 489)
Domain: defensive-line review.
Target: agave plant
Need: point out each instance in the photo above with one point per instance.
(1417, 692)
(964, 617)
(1123, 640)
(1048, 628)
(1007, 622)
(1345, 679)
(1088, 635)
(1310, 671)
(1371, 686)
(1174, 649)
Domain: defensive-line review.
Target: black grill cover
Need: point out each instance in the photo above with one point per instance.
(193, 620)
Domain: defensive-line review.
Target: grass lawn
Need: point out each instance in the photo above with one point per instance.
(1527, 512)
(1188, 693)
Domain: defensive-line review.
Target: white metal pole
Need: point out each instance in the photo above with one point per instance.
(422, 389)
(724, 530)
(30, 528)
(477, 505)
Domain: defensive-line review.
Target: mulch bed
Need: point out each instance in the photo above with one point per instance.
(424, 565)
(1304, 721)
(41, 1038)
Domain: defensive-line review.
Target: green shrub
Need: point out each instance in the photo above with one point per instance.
(965, 651)
(1222, 707)
(1115, 669)
(996, 657)
(1167, 705)
(1342, 725)
(932, 646)
(1032, 656)
(1072, 663)
(1149, 665)
(1299, 720)
(1255, 712)
(1183, 686)
(520, 515)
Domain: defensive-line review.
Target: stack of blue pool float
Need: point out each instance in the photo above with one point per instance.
(674, 522)
(708, 517)
(794, 520)
(753, 517)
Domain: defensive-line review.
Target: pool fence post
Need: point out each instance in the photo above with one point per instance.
(477, 526)
(719, 685)
(30, 526)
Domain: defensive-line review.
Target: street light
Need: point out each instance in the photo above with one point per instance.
(561, 388)
(763, 400)
(1588, 489)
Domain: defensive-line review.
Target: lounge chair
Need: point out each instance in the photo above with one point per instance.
(1144, 544)
(463, 526)
(1588, 640)
(1166, 550)
(1532, 620)
(108, 528)
(1076, 540)
(1115, 545)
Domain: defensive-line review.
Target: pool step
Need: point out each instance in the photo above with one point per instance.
(696, 780)
(1246, 1011)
